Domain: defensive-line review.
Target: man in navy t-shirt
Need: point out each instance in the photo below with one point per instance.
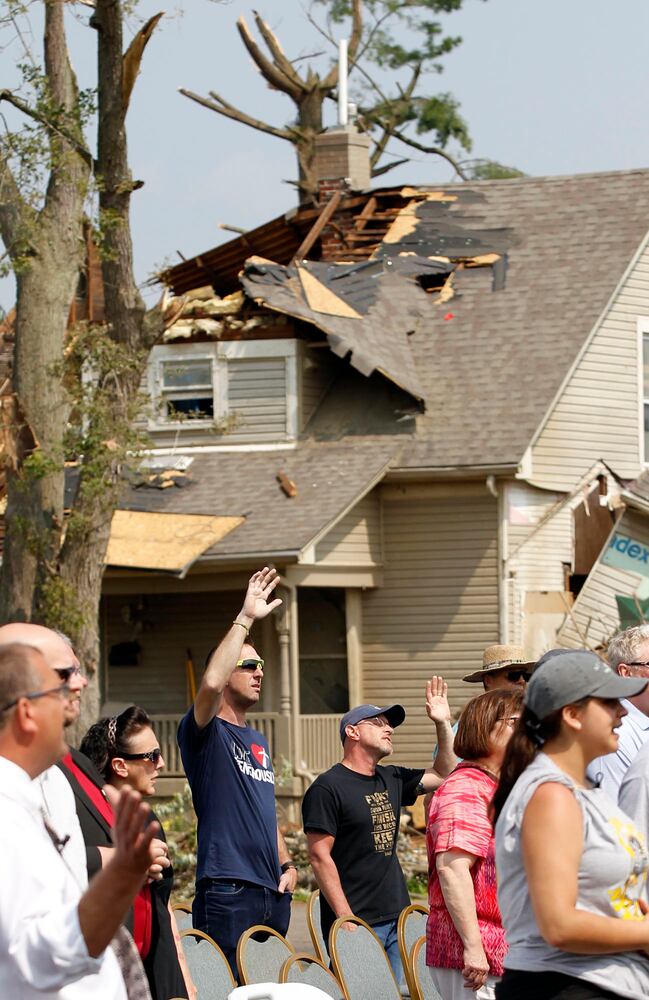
(244, 874)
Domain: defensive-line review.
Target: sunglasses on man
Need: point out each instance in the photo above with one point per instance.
(513, 676)
(66, 673)
(250, 664)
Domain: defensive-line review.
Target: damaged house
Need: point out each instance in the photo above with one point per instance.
(426, 407)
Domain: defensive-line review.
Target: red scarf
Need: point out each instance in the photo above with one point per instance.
(142, 907)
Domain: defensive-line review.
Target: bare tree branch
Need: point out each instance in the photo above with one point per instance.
(274, 76)
(275, 49)
(379, 171)
(331, 79)
(133, 57)
(222, 107)
(436, 150)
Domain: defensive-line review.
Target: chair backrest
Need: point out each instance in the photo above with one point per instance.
(360, 963)
(310, 971)
(315, 928)
(208, 966)
(260, 954)
(183, 915)
(410, 926)
(423, 987)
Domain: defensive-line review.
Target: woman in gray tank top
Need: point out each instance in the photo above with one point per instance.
(572, 868)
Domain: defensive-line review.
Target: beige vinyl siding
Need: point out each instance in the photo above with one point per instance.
(594, 617)
(256, 400)
(165, 625)
(356, 539)
(597, 415)
(536, 552)
(436, 611)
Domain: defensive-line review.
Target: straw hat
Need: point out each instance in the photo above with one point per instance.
(497, 658)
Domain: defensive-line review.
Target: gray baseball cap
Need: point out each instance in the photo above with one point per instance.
(395, 714)
(573, 674)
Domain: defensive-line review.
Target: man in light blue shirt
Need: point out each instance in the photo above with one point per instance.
(628, 655)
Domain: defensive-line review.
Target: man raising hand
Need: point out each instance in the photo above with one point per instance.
(244, 875)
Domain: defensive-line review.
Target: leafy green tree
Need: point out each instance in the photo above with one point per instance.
(489, 170)
(395, 48)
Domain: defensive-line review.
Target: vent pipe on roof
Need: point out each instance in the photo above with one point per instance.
(342, 153)
(343, 110)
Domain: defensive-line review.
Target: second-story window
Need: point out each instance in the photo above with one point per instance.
(187, 388)
(227, 392)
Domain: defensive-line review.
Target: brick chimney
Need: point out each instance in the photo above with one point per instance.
(342, 163)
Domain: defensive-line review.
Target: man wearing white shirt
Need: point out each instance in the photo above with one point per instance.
(628, 655)
(54, 940)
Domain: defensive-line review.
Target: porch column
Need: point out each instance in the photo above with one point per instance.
(284, 637)
(354, 619)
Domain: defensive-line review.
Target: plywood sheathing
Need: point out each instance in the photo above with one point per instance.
(407, 219)
(321, 299)
(165, 542)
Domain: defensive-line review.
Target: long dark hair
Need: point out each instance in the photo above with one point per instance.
(527, 739)
(111, 737)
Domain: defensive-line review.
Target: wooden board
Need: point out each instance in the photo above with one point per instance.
(321, 299)
(170, 543)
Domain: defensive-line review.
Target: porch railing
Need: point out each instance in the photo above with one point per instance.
(321, 746)
(320, 739)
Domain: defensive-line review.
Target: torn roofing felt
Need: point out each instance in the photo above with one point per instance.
(362, 326)
(352, 302)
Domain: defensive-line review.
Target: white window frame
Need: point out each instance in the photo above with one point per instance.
(219, 353)
(643, 392)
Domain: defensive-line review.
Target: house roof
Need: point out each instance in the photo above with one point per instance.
(488, 353)
(329, 478)
(491, 362)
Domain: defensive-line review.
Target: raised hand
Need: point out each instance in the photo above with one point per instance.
(257, 603)
(437, 706)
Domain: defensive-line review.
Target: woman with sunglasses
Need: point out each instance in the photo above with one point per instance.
(572, 867)
(125, 751)
(465, 942)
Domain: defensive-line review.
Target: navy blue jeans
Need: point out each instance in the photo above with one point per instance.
(387, 935)
(225, 908)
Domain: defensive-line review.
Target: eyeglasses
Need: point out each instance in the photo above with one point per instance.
(515, 675)
(65, 673)
(61, 691)
(152, 755)
(250, 664)
(376, 720)
(511, 720)
(638, 663)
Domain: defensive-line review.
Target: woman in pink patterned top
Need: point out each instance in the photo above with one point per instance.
(465, 941)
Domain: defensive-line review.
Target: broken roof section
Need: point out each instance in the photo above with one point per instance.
(486, 364)
(353, 302)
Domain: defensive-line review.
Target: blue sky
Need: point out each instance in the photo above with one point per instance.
(552, 87)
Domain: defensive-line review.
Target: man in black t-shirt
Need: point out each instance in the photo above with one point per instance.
(351, 817)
